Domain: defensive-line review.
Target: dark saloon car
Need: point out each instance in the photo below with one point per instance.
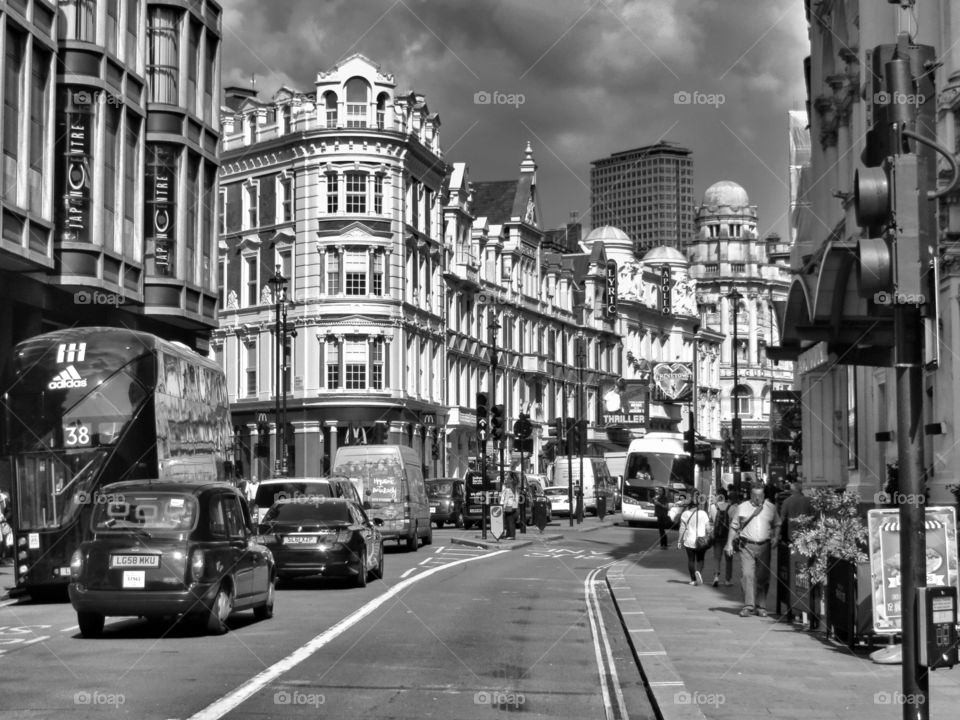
(446, 501)
(328, 537)
(171, 548)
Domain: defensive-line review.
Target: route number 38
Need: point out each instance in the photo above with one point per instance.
(76, 435)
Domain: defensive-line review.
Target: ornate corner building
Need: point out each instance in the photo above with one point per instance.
(342, 191)
(741, 280)
(110, 134)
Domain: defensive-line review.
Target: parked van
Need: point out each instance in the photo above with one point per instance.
(596, 481)
(275, 489)
(390, 479)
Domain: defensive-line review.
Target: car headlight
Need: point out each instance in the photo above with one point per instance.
(76, 564)
(342, 536)
(197, 563)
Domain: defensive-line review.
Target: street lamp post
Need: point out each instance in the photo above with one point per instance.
(581, 427)
(493, 325)
(279, 285)
(736, 297)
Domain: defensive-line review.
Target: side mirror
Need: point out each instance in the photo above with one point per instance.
(378, 521)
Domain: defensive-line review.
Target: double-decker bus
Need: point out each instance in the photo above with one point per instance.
(84, 407)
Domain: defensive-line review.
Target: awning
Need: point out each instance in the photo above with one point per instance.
(829, 307)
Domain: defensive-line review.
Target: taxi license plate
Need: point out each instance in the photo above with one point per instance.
(134, 561)
(300, 540)
(134, 579)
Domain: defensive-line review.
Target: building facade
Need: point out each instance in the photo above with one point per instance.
(840, 334)
(647, 193)
(109, 166)
(659, 325)
(339, 190)
(741, 280)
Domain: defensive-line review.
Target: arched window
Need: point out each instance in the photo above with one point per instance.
(741, 401)
(382, 99)
(330, 103)
(358, 95)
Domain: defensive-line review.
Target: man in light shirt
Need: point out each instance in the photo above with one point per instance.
(756, 529)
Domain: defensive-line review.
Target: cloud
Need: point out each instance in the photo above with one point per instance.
(598, 76)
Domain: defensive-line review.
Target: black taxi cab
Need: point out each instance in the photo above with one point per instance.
(164, 549)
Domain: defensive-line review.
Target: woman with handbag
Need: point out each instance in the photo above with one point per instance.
(696, 536)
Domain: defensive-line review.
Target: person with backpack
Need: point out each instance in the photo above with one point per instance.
(720, 517)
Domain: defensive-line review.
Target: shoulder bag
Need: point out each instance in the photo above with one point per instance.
(703, 541)
(738, 543)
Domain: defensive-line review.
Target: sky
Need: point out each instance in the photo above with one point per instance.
(578, 79)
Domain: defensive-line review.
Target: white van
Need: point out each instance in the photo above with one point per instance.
(596, 481)
(390, 479)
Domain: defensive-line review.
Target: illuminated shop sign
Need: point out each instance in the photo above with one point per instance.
(161, 207)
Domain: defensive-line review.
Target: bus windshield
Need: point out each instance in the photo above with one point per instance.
(51, 487)
(61, 440)
(658, 468)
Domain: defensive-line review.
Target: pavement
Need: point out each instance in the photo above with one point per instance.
(700, 659)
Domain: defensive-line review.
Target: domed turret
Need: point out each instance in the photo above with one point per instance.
(616, 243)
(665, 255)
(726, 193)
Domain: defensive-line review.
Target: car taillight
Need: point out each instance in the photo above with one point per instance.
(196, 564)
(406, 511)
(76, 564)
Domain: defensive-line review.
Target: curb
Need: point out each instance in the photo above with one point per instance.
(661, 680)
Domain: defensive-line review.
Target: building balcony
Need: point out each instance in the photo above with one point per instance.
(534, 364)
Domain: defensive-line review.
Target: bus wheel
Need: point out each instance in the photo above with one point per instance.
(91, 624)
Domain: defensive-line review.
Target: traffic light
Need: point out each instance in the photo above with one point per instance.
(559, 432)
(690, 441)
(522, 429)
(522, 434)
(496, 422)
(482, 412)
(575, 436)
(890, 195)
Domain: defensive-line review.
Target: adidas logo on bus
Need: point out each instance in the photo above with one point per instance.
(67, 378)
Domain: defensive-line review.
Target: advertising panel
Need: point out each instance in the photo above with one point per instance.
(626, 404)
(941, 536)
(673, 382)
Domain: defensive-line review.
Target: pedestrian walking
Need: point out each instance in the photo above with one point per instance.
(793, 506)
(719, 513)
(695, 534)
(755, 531)
(661, 511)
(6, 530)
(508, 498)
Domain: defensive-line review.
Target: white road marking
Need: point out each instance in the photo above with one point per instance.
(8, 603)
(71, 628)
(231, 700)
(407, 572)
(601, 644)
